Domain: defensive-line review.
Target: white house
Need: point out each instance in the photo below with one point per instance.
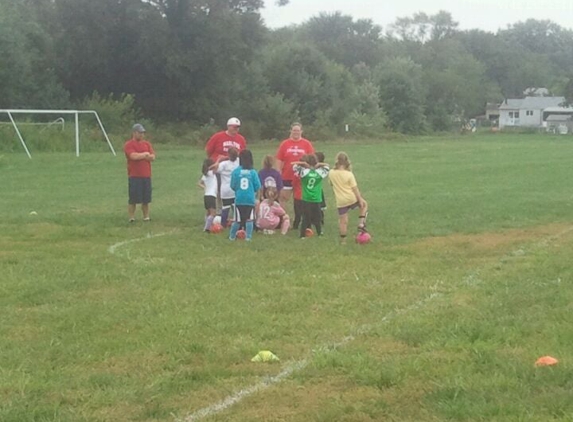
(530, 111)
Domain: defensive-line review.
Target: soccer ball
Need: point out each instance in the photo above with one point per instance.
(241, 234)
(309, 233)
(217, 220)
(363, 238)
(216, 228)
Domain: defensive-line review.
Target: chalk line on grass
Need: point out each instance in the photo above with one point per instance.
(115, 247)
(296, 366)
(291, 368)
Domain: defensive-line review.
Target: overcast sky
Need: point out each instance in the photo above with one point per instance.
(484, 14)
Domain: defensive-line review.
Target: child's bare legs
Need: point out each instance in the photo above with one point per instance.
(343, 227)
(363, 215)
(285, 225)
(209, 217)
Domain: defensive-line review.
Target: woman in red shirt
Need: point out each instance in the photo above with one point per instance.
(291, 150)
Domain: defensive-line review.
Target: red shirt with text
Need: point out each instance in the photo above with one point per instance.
(220, 143)
(291, 151)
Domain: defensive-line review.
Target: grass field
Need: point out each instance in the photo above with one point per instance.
(441, 318)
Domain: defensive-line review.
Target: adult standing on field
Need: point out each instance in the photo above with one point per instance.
(218, 146)
(140, 155)
(290, 151)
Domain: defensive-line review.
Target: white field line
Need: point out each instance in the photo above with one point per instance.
(113, 249)
(296, 366)
(471, 280)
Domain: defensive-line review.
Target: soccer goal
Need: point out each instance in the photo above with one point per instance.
(75, 113)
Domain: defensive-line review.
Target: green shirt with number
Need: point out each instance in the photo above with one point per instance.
(311, 181)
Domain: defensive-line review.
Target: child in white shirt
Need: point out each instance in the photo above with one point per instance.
(210, 185)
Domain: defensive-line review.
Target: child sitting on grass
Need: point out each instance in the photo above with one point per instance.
(270, 215)
(311, 173)
(210, 185)
(347, 195)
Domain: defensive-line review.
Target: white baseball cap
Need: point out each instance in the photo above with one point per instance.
(233, 121)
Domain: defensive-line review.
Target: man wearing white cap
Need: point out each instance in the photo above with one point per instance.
(218, 150)
(218, 146)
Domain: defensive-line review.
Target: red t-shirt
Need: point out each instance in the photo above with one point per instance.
(219, 144)
(297, 188)
(139, 168)
(291, 151)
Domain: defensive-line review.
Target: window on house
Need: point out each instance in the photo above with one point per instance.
(517, 114)
(511, 114)
(529, 112)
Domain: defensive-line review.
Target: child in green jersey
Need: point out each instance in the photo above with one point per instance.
(311, 174)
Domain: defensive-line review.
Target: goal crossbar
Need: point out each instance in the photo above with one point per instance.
(75, 113)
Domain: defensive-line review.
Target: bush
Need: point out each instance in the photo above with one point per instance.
(367, 126)
(322, 128)
(118, 114)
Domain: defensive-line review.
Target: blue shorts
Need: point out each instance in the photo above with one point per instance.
(139, 190)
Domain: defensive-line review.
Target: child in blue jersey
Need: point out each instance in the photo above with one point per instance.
(246, 184)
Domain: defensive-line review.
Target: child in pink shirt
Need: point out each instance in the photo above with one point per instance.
(270, 215)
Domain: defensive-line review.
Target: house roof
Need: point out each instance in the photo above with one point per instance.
(568, 110)
(532, 103)
(538, 92)
(511, 105)
(559, 118)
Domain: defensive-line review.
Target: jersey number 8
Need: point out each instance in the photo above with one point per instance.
(244, 183)
(311, 183)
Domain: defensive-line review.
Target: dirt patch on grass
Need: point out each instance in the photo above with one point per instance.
(490, 241)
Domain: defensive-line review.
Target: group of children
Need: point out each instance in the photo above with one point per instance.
(253, 197)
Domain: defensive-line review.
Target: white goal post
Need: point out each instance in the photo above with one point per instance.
(75, 113)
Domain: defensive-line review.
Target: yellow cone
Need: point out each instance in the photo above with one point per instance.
(265, 356)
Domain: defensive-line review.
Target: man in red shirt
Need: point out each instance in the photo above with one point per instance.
(290, 151)
(140, 155)
(218, 146)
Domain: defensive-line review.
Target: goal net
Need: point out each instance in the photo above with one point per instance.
(75, 113)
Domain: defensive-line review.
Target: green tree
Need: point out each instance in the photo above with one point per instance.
(422, 27)
(402, 95)
(344, 40)
(27, 76)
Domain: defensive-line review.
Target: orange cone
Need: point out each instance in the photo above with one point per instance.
(546, 361)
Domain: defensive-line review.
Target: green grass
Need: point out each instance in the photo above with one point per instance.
(168, 325)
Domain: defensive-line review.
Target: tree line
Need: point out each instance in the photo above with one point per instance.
(199, 61)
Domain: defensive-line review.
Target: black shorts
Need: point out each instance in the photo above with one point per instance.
(228, 202)
(139, 190)
(287, 184)
(210, 202)
(244, 213)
